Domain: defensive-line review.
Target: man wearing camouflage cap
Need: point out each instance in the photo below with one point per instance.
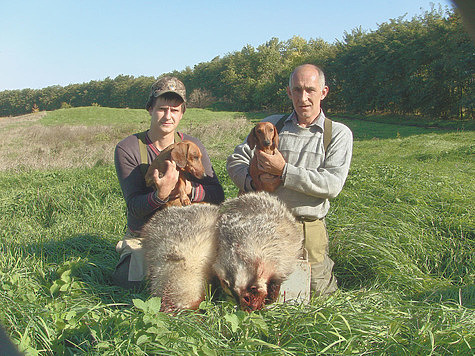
(166, 105)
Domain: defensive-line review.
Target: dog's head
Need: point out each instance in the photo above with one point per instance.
(264, 136)
(187, 156)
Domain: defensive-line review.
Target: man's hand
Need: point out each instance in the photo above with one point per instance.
(272, 164)
(167, 183)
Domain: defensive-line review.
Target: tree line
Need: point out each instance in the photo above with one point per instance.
(422, 66)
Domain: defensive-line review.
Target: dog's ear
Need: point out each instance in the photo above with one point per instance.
(194, 151)
(179, 154)
(252, 139)
(275, 139)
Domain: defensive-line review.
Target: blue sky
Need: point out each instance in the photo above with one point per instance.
(61, 42)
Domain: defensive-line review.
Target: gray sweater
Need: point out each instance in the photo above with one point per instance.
(310, 176)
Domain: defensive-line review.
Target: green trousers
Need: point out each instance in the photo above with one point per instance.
(316, 242)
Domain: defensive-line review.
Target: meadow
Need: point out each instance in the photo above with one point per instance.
(401, 235)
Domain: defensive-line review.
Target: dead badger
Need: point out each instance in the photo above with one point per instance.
(259, 246)
(180, 249)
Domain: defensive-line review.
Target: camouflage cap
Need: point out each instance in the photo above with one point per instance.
(168, 85)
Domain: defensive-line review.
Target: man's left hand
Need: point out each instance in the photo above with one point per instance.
(270, 181)
(175, 193)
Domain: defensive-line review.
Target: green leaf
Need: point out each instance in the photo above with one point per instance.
(140, 304)
(154, 304)
(66, 275)
(242, 315)
(206, 305)
(158, 331)
(143, 339)
(207, 351)
(70, 314)
(54, 289)
(60, 325)
(260, 323)
(262, 343)
(103, 345)
(233, 320)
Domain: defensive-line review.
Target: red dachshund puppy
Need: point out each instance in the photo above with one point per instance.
(187, 156)
(263, 137)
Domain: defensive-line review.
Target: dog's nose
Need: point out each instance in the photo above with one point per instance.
(266, 143)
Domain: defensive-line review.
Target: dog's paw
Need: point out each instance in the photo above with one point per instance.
(185, 200)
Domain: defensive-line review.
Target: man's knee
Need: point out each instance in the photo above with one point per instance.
(120, 276)
(322, 279)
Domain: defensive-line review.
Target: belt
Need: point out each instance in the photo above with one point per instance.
(306, 218)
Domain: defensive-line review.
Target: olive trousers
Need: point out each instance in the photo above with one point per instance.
(316, 242)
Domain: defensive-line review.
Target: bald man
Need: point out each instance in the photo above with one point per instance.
(311, 170)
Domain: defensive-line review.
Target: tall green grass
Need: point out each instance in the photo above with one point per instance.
(402, 238)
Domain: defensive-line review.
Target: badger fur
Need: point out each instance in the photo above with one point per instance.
(259, 245)
(180, 248)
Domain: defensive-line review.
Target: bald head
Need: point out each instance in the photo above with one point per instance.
(309, 68)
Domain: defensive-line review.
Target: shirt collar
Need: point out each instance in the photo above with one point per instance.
(150, 144)
(319, 121)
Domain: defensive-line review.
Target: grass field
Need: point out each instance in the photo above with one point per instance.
(402, 238)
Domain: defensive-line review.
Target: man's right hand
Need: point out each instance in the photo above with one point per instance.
(167, 183)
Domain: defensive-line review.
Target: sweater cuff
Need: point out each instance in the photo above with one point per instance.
(197, 192)
(248, 184)
(284, 173)
(155, 201)
(290, 175)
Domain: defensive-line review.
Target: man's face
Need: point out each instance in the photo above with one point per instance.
(166, 115)
(306, 94)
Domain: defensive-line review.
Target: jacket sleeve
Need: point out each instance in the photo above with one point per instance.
(237, 166)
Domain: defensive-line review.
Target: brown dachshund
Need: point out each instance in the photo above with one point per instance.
(187, 156)
(263, 137)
